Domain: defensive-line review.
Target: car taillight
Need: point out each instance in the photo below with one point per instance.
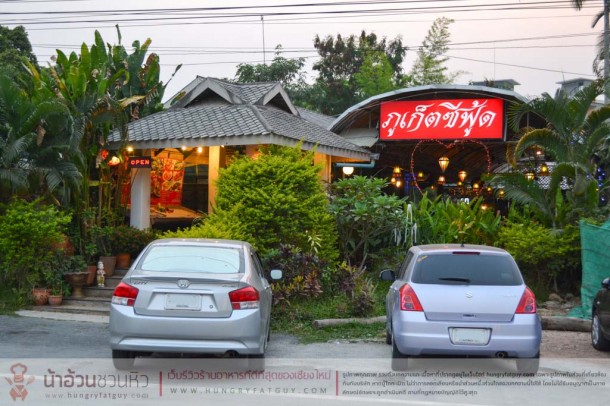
(408, 299)
(245, 298)
(527, 304)
(124, 295)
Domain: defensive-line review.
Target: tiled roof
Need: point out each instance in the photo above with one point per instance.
(219, 123)
(320, 119)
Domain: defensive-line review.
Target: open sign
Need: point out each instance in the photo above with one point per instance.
(140, 162)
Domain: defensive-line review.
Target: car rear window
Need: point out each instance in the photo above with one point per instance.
(468, 269)
(215, 260)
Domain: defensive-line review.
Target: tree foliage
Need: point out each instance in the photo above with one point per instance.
(15, 50)
(429, 67)
(368, 220)
(336, 86)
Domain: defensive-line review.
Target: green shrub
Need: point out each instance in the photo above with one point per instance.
(441, 220)
(222, 224)
(301, 274)
(29, 233)
(368, 220)
(281, 201)
(549, 259)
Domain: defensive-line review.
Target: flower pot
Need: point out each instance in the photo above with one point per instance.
(77, 280)
(91, 274)
(123, 260)
(40, 296)
(109, 265)
(55, 300)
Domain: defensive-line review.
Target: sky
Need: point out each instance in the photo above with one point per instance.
(536, 43)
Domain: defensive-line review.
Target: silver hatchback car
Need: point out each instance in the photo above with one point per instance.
(192, 296)
(461, 300)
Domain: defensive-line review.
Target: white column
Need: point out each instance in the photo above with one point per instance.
(140, 198)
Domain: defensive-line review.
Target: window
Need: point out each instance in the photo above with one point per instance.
(467, 269)
(192, 258)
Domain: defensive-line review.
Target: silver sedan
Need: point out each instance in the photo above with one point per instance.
(192, 296)
(458, 300)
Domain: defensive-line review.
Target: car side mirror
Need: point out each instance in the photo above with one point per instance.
(387, 275)
(276, 274)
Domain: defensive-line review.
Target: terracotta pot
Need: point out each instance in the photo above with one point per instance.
(91, 274)
(123, 260)
(40, 296)
(109, 265)
(55, 300)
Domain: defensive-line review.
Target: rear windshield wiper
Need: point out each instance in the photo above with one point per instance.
(463, 280)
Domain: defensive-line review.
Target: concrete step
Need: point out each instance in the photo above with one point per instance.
(100, 310)
(87, 301)
(96, 291)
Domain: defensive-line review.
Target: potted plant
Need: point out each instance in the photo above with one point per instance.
(103, 238)
(75, 273)
(122, 240)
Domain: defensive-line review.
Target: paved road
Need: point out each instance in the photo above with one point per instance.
(56, 352)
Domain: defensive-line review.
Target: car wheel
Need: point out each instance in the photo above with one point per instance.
(528, 365)
(598, 340)
(399, 360)
(256, 362)
(123, 360)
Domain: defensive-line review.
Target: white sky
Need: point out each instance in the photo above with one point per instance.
(537, 43)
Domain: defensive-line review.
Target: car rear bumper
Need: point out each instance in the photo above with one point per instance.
(242, 332)
(414, 335)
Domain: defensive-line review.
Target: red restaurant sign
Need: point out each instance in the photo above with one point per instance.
(442, 119)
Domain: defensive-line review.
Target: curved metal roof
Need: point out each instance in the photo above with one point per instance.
(364, 109)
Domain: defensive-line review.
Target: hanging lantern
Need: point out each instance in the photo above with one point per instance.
(443, 162)
(441, 180)
(476, 186)
(544, 170)
(462, 175)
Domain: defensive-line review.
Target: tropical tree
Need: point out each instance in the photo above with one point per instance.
(36, 144)
(429, 67)
(574, 135)
(105, 87)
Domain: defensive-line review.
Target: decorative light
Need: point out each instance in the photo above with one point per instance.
(476, 186)
(129, 149)
(348, 170)
(183, 147)
(441, 180)
(489, 189)
(544, 170)
(199, 150)
(397, 176)
(462, 175)
(114, 161)
(484, 206)
(443, 162)
(538, 152)
(501, 193)
(529, 175)
(460, 183)
(420, 175)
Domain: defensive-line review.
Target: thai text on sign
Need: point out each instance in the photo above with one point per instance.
(442, 119)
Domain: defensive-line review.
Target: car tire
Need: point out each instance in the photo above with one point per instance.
(123, 360)
(399, 360)
(256, 362)
(528, 366)
(598, 340)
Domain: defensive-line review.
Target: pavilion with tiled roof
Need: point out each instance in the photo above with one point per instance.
(217, 119)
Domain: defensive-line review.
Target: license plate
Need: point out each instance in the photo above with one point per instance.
(470, 336)
(182, 302)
